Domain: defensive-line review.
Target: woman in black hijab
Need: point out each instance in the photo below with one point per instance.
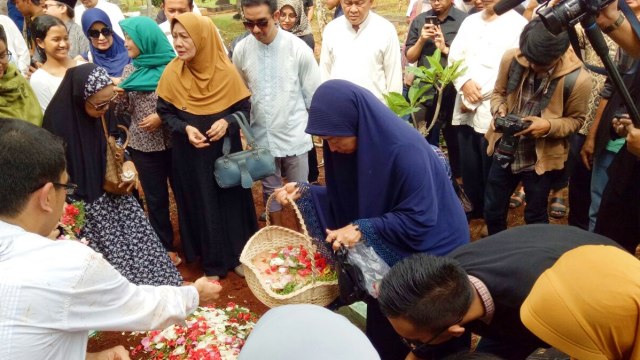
(115, 224)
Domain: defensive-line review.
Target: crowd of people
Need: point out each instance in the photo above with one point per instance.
(524, 121)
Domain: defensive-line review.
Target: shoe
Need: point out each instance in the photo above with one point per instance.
(263, 217)
(557, 209)
(239, 270)
(175, 259)
(516, 200)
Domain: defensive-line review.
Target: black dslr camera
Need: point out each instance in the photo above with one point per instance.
(568, 13)
(508, 126)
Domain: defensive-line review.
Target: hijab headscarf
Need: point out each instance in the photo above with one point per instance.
(17, 99)
(587, 304)
(393, 179)
(155, 53)
(302, 26)
(209, 83)
(114, 58)
(84, 137)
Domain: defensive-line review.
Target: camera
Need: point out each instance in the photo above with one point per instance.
(508, 126)
(568, 13)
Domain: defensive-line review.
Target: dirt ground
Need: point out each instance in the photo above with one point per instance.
(235, 288)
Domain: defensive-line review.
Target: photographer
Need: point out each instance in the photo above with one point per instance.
(544, 90)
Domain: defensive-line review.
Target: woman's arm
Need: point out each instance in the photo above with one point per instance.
(169, 115)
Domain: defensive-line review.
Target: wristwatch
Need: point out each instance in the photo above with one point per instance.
(616, 24)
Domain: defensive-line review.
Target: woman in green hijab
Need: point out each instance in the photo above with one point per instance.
(148, 137)
(17, 99)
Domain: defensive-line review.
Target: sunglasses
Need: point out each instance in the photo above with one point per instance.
(95, 34)
(102, 106)
(262, 23)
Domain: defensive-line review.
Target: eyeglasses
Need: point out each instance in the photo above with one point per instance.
(69, 188)
(357, 4)
(262, 23)
(418, 346)
(46, 6)
(102, 106)
(5, 57)
(95, 34)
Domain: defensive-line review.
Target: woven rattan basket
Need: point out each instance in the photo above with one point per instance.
(273, 237)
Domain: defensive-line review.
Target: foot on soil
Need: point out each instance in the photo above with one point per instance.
(239, 270)
(557, 209)
(516, 200)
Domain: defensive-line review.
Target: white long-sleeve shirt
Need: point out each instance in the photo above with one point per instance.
(370, 57)
(112, 10)
(481, 44)
(282, 77)
(16, 44)
(53, 292)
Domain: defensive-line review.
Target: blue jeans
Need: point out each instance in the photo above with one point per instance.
(500, 185)
(599, 180)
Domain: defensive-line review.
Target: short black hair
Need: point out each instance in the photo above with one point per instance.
(273, 4)
(30, 157)
(40, 27)
(540, 46)
(189, 2)
(465, 355)
(429, 291)
(71, 13)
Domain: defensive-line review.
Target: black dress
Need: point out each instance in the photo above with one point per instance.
(215, 223)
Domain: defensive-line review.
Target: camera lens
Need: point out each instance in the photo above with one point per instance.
(558, 18)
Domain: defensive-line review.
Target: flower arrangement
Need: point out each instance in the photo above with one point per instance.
(291, 268)
(72, 221)
(210, 334)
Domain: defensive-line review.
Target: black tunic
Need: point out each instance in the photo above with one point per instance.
(215, 223)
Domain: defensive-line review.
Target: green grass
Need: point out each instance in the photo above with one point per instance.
(228, 26)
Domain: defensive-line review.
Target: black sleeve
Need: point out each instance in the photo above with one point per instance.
(414, 33)
(243, 106)
(169, 116)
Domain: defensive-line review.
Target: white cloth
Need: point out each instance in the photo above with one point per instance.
(53, 292)
(370, 57)
(166, 29)
(282, 77)
(307, 332)
(480, 44)
(112, 10)
(44, 85)
(16, 44)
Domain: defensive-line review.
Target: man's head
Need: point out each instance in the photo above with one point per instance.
(173, 8)
(63, 9)
(30, 8)
(260, 18)
(356, 11)
(89, 3)
(425, 298)
(487, 5)
(33, 179)
(541, 48)
(441, 6)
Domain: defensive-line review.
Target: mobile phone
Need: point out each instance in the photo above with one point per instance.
(433, 20)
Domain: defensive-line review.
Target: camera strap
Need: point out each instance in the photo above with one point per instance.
(631, 17)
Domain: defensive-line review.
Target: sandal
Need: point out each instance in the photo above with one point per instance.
(517, 199)
(175, 259)
(558, 209)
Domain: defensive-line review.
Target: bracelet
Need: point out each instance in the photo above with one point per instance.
(616, 24)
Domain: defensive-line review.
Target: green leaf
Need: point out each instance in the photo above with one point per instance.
(415, 93)
(398, 104)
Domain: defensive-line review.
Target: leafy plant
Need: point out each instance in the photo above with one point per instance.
(434, 77)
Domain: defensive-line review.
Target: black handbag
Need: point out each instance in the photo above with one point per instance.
(243, 167)
(351, 281)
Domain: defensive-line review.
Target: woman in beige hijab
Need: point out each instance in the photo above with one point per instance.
(587, 304)
(197, 95)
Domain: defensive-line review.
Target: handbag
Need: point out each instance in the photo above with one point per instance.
(351, 282)
(243, 167)
(466, 203)
(115, 159)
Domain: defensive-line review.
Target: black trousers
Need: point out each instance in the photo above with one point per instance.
(314, 172)
(475, 164)
(154, 170)
(579, 185)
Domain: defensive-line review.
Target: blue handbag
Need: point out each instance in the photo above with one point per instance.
(243, 167)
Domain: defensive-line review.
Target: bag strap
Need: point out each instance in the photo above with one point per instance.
(246, 130)
(106, 132)
(569, 83)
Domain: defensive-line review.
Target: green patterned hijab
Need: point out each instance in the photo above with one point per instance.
(155, 53)
(17, 99)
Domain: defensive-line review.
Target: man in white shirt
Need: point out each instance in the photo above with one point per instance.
(362, 47)
(54, 292)
(112, 10)
(481, 40)
(282, 74)
(16, 44)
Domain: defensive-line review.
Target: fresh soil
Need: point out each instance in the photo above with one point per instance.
(234, 288)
